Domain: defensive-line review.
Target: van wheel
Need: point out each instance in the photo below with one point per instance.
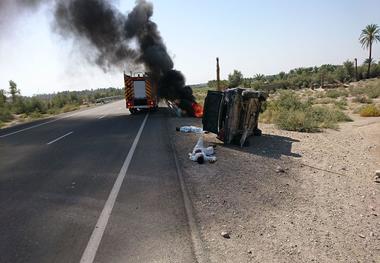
(133, 111)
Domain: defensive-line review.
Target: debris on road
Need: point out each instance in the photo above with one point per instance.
(201, 154)
(189, 129)
(377, 176)
(279, 169)
(225, 234)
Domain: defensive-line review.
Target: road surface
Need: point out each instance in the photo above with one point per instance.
(98, 185)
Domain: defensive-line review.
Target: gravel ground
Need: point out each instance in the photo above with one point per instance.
(324, 207)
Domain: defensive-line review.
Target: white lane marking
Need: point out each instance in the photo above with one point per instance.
(97, 234)
(101, 117)
(44, 123)
(59, 138)
(37, 125)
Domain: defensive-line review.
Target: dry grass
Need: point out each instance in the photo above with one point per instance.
(369, 111)
(289, 112)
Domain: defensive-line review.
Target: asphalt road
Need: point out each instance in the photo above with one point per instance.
(58, 199)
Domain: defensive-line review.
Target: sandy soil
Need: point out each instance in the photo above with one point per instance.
(325, 207)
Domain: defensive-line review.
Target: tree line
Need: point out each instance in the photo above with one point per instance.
(13, 103)
(310, 77)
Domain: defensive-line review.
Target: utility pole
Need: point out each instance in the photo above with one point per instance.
(356, 69)
(218, 75)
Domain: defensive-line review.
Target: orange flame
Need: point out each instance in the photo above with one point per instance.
(198, 110)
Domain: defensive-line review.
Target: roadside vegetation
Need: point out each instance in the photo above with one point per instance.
(369, 111)
(308, 99)
(326, 76)
(14, 106)
(314, 108)
(289, 111)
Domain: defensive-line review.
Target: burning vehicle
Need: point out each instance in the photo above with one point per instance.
(142, 93)
(186, 108)
(178, 96)
(233, 114)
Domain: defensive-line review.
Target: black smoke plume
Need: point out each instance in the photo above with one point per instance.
(106, 34)
(98, 24)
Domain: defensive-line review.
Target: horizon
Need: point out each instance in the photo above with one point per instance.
(296, 36)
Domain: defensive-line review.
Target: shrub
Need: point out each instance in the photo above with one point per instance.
(35, 115)
(369, 111)
(328, 117)
(69, 107)
(35, 105)
(268, 112)
(296, 120)
(320, 94)
(336, 93)
(341, 104)
(362, 99)
(5, 115)
(325, 101)
(53, 111)
(289, 112)
(288, 100)
(373, 91)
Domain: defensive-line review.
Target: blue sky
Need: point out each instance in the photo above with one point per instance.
(252, 36)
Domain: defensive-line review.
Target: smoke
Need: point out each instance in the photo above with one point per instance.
(98, 24)
(10, 10)
(4, 4)
(107, 36)
(171, 80)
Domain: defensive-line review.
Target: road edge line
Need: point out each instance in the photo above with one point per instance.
(198, 248)
(89, 253)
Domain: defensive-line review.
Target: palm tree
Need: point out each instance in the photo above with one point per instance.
(370, 34)
(259, 77)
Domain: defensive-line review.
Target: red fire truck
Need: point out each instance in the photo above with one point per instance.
(140, 92)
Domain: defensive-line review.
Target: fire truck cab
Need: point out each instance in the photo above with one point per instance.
(140, 92)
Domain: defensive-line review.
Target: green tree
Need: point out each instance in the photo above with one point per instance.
(369, 35)
(235, 79)
(259, 77)
(211, 84)
(323, 72)
(349, 67)
(341, 74)
(3, 98)
(247, 83)
(282, 75)
(13, 90)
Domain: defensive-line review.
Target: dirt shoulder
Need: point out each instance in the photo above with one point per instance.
(325, 207)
